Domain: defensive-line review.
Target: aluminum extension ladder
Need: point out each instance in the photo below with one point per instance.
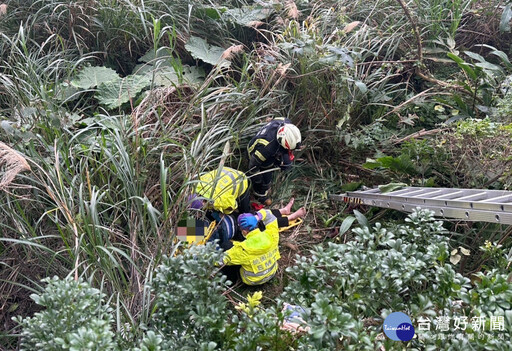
(476, 205)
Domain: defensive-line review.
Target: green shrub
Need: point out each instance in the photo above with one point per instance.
(75, 318)
(190, 310)
(346, 291)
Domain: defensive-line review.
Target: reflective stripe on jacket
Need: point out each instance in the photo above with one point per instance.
(258, 254)
(264, 149)
(222, 188)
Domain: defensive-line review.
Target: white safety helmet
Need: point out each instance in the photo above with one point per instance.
(288, 135)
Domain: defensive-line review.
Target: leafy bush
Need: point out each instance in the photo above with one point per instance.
(105, 191)
(345, 290)
(190, 310)
(390, 268)
(385, 265)
(75, 318)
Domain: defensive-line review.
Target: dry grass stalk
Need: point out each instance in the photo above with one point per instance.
(13, 162)
(231, 51)
(293, 12)
(281, 69)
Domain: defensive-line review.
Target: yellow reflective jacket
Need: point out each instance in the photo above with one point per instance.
(258, 254)
(222, 188)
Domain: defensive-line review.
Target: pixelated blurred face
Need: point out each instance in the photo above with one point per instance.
(192, 230)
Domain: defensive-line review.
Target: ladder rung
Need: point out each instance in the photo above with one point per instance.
(448, 196)
(406, 192)
(429, 193)
(470, 197)
(499, 199)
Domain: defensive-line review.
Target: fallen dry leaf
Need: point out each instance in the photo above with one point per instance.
(231, 51)
(349, 27)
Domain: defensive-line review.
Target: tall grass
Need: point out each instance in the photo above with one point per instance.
(105, 190)
(104, 195)
(116, 32)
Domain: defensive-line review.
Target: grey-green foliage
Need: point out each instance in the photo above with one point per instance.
(75, 318)
(382, 265)
(390, 268)
(191, 311)
(385, 267)
(345, 289)
(258, 331)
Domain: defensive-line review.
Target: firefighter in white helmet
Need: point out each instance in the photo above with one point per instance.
(271, 147)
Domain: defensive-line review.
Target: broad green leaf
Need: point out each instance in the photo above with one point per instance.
(200, 49)
(504, 58)
(475, 56)
(114, 94)
(193, 74)
(66, 92)
(460, 103)
(387, 188)
(212, 12)
(151, 56)
(362, 87)
(166, 76)
(93, 76)
(372, 164)
(6, 126)
(455, 58)
(508, 316)
(490, 66)
(402, 164)
(351, 186)
(361, 219)
(247, 14)
(460, 62)
(433, 50)
(341, 54)
(345, 226)
(505, 19)
(466, 87)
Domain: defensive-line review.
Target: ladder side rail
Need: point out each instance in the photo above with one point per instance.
(417, 200)
(446, 213)
(478, 197)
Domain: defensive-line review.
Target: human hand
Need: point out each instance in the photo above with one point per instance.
(247, 221)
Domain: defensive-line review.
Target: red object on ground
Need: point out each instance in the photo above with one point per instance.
(256, 206)
(290, 153)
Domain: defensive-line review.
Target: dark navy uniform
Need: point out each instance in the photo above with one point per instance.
(265, 153)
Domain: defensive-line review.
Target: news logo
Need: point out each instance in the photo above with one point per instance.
(398, 326)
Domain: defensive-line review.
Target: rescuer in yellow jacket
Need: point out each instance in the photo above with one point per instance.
(225, 190)
(257, 255)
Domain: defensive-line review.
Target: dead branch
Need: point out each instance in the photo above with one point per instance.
(419, 134)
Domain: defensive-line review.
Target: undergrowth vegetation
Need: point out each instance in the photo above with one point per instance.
(110, 109)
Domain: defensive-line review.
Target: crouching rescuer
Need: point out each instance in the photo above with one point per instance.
(254, 260)
(271, 147)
